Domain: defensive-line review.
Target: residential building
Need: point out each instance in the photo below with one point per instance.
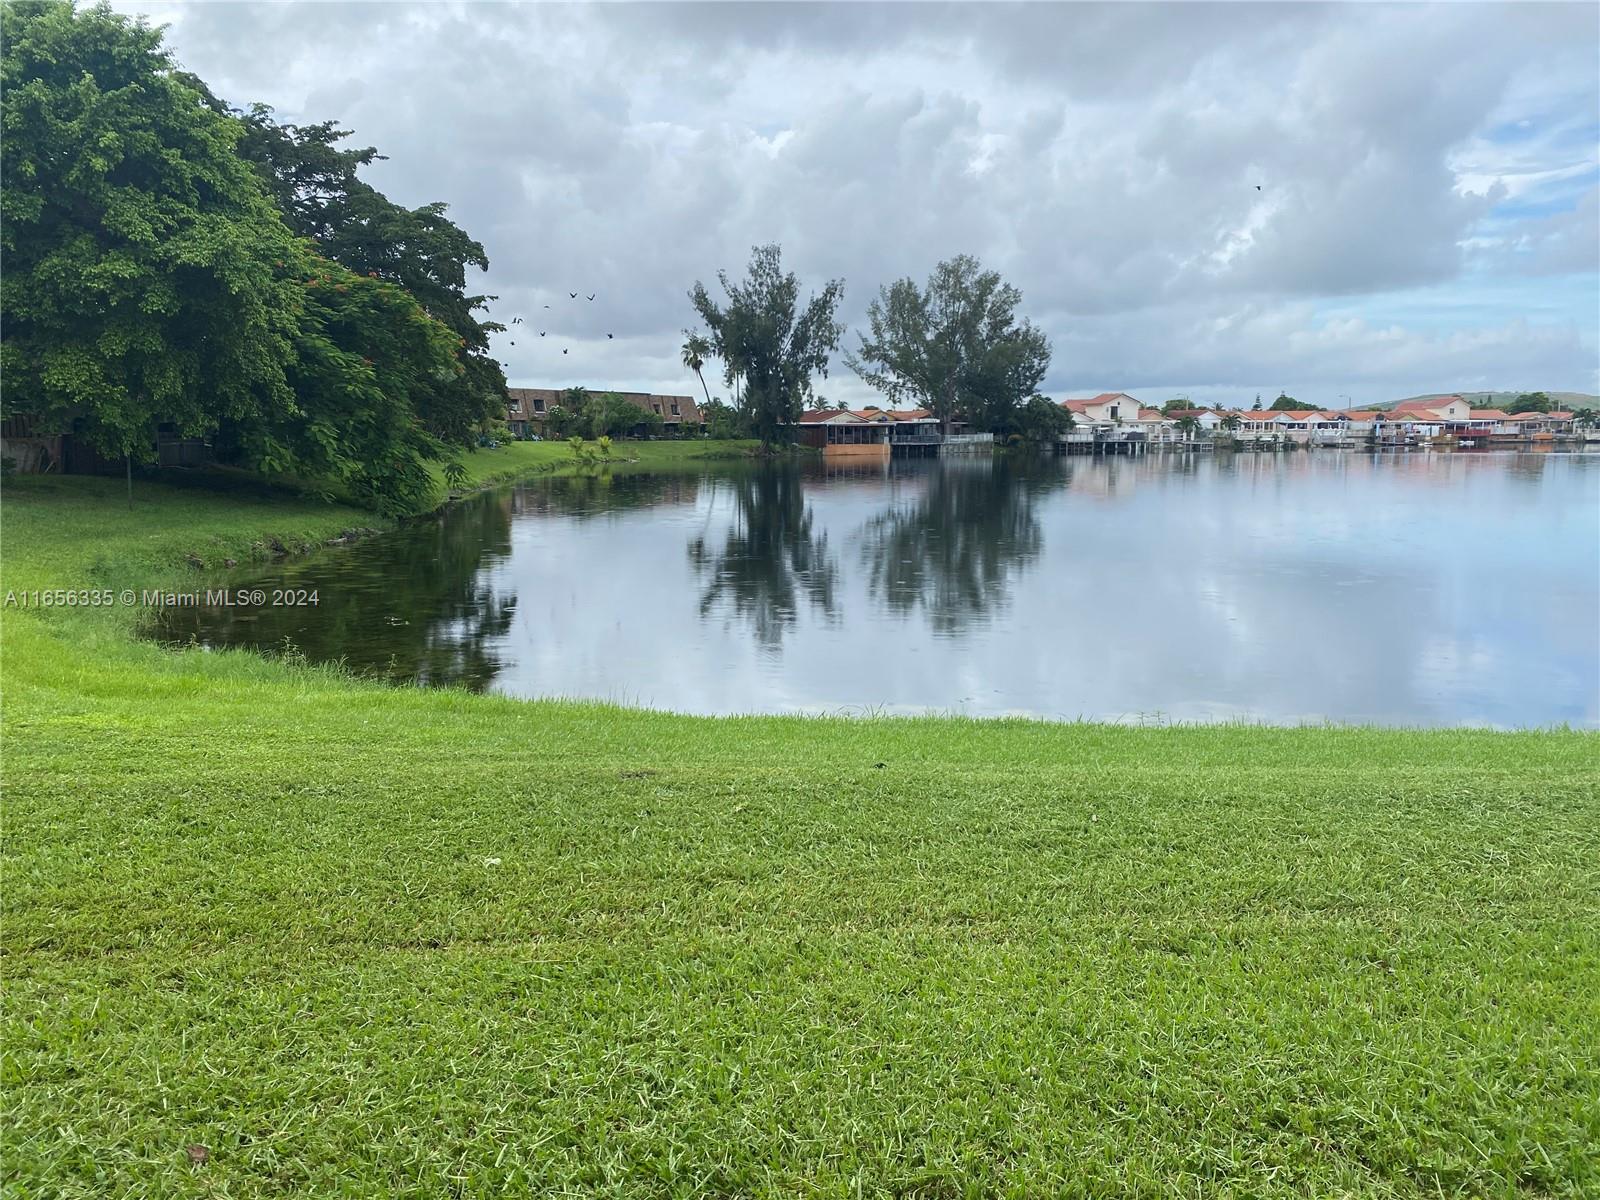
(874, 434)
(1208, 419)
(1107, 409)
(527, 408)
(1313, 425)
(1530, 424)
(1154, 424)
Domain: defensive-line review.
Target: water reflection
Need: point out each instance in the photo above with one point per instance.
(601, 492)
(951, 552)
(770, 560)
(1412, 588)
(416, 608)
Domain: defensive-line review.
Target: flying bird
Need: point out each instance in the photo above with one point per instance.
(609, 336)
(513, 343)
(574, 295)
(563, 352)
(1258, 187)
(541, 333)
(547, 306)
(591, 295)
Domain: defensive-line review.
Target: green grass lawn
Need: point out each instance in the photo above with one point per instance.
(360, 941)
(516, 459)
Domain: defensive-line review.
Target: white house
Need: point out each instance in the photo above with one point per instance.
(1107, 409)
(1450, 408)
(1208, 419)
(1261, 420)
(1155, 425)
(1313, 425)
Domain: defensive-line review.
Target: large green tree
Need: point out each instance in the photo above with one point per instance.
(1538, 402)
(955, 346)
(765, 338)
(1042, 421)
(316, 183)
(367, 361)
(148, 278)
(609, 415)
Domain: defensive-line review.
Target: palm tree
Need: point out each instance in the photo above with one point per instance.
(1231, 422)
(574, 398)
(1187, 426)
(695, 352)
(1584, 418)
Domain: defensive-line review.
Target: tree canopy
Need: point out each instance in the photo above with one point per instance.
(320, 195)
(1284, 403)
(170, 262)
(148, 279)
(954, 347)
(764, 337)
(1042, 420)
(1531, 402)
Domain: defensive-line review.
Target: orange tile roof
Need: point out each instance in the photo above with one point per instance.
(1096, 401)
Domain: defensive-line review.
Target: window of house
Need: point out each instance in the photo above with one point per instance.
(674, 410)
(538, 406)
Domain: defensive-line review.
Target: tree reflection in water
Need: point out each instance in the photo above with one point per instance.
(601, 492)
(771, 560)
(414, 606)
(952, 551)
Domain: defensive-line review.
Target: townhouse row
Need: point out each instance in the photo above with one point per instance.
(1118, 415)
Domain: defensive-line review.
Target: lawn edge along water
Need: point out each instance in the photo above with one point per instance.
(361, 940)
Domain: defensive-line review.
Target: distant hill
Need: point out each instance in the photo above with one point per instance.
(1566, 400)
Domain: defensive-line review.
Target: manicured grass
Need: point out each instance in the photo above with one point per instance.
(360, 941)
(516, 459)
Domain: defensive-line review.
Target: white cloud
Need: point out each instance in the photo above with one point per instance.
(1104, 157)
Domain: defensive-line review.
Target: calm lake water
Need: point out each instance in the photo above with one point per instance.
(1420, 589)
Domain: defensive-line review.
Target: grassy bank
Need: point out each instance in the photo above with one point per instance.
(516, 460)
(371, 942)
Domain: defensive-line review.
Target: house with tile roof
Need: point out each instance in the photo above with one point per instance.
(1313, 425)
(1538, 424)
(1108, 408)
(1450, 408)
(870, 433)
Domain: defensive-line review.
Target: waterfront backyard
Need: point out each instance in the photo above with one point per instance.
(925, 602)
(339, 938)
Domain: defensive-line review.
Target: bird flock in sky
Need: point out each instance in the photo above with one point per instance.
(515, 321)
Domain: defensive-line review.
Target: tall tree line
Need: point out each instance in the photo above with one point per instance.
(172, 261)
(955, 347)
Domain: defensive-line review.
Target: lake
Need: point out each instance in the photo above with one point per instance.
(1408, 589)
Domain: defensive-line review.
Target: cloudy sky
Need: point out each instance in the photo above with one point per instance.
(1427, 217)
